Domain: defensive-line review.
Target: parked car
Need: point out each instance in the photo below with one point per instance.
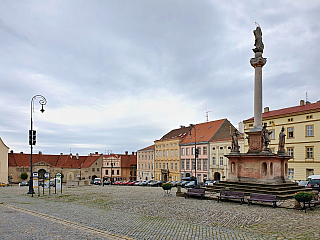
(191, 184)
(315, 184)
(24, 183)
(106, 182)
(97, 181)
(209, 182)
(131, 183)
(184, 183)
(303, 183)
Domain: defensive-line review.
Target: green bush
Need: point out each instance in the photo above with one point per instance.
(303, 196)
(166, 186)
(24, 176)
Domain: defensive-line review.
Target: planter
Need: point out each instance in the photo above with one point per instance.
(303, 198)
(166, 187)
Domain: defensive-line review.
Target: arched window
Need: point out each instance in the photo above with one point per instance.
(271, 168)
(264, 169)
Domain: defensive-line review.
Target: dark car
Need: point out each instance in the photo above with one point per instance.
(315, 184)
(24, 183)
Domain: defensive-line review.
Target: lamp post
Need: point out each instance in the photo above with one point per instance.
(110, 153)
(195, 153)
(32, 137)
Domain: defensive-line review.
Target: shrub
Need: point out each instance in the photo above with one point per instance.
(24, 176)
(166, 186)
(303, 196)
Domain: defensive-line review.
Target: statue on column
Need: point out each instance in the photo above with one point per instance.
(235, 144)
(258, 40)
(265, 136)
(282, 139)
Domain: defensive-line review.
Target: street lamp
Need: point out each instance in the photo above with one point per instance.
(110, 153)
(32, 136)
(196, 152)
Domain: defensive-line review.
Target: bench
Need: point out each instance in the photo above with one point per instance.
(195, 192)
(231, 195)
(263, 198)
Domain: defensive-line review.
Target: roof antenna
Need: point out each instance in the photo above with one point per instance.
(207, 114)
(306, 96)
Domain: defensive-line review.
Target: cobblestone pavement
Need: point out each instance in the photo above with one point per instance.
(123, 212)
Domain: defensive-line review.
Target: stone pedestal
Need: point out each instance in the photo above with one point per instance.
(258, 168)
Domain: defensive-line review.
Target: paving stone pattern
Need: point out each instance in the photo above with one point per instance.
(123, 212)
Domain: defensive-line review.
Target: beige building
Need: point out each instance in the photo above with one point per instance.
(76, 170)
(302, 129)
(145, 163)
(219, 164)
(4, 173)
(167, 155)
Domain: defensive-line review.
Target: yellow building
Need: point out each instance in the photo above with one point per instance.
(167, 155)
(302, 129)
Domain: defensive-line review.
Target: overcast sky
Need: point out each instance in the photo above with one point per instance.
(118, 75)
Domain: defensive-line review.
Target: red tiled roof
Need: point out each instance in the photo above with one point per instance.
(176, 133)
(290, 110)
(147, 148)
(62, 161)
(203, 131)
(125, 159)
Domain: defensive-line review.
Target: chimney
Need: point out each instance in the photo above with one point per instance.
(126, 152)
(301, 102)
(61, 154)
(96, 152)
(307, 102)
(70, 154)
(133, 153)
(21, 152)
(266, 109)
(40, 153)
(11, 151)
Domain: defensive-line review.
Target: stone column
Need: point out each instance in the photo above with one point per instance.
(257, 62)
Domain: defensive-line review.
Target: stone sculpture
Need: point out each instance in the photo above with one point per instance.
(265, 136)
(258, 40)
(235, 144)
(282, 139)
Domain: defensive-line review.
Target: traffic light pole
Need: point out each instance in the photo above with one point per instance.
(32, 138)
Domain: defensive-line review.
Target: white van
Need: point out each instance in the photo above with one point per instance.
(313, 177)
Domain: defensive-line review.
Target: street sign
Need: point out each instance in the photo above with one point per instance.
(47, 175)
(35, 174)
(58, 175)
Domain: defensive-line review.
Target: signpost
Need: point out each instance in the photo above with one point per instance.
(59, 181)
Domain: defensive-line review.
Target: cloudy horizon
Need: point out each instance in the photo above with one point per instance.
(118, 75)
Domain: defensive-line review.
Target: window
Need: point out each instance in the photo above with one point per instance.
(309, 131)
(193, 164)
(192, 151)
(188, 151)
(156, 153)
(92, 169)
(199, 178)
(145, 166)
(205, 164)
(221, 148)
(160, 153)
(171, 153)
(290, 119)
(272, 134)
(182, 164)
(213, 148)
(199, 164)
(188, 164)
(214, 161)
(309, 117)
(290, 132)
(291, 173)
(145, 157)
(309, 152)
(118, 171)
(205, 151)
(176, 153)
(221, 161)
(290, 151)
(156, 165)
(141, 166)
(167, 153)
(112, 172)
(171, 166)
(97, 169)
(107, 172)
(251, 125)
(176, 166)
(149, 166)
(164, 153)
(167, 165)
(199, 150)
(271, 122)
(182, 151)
(164, 166)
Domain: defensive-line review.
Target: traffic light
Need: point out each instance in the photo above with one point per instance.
(197, 152)
(32, 137)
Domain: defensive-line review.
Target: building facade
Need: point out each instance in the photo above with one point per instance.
(302, 129)
(4, 172)
(145, 163)
(167, 155)
(119, 167)
(76, 170)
